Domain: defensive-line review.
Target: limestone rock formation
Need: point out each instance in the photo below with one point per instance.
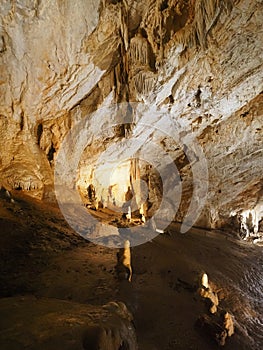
(200, 61)
(124, 266)
(229, 324)
(218, 326)
(208, 293)
(53, 323)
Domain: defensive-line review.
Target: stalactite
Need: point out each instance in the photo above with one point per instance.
(24, 185)
(144, 82)
(139, 50)
(117, 81)
(206, 13)
(117, 12)
(120, 79)
(124, 24)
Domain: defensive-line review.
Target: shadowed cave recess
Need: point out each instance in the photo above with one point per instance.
(131, 186)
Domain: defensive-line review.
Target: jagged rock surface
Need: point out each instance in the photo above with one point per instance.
(201, 61)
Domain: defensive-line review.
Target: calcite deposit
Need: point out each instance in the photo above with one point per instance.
(198, 62)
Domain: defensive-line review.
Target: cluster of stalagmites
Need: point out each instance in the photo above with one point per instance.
(251, 224)
(218, 324)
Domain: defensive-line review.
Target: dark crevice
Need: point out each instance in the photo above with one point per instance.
(51, 152)
(39, 132)
(120, 130)
(114, 2)
(22, 122)
(143, 32)
(198, 96)
(164, 5)
(91, 193)
(2, 45)
(243, 115)
(124, 346)
(152, 58)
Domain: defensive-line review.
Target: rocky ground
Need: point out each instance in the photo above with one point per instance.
(54, 284)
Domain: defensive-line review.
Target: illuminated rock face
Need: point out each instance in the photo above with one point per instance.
(45, 71)
(111, 182)
(200, 61)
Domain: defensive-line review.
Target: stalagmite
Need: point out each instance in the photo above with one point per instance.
(249, 220)
(123, 266)
(220, 326)
(207, 292)
(152, 225)
(228, 324)
(135, 183)
(127, 259)
(205, 281)
(129, 214)
(143, 219)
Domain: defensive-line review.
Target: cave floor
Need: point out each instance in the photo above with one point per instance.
(44, 259)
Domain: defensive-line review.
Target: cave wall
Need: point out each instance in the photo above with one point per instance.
(45, 71)
(200, 61)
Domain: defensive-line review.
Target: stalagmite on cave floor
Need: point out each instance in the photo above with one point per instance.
(47, 270)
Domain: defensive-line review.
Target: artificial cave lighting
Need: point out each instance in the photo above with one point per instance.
(114, 185)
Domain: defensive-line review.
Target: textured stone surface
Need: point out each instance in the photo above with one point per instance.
(50, 323)
(200, 60)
